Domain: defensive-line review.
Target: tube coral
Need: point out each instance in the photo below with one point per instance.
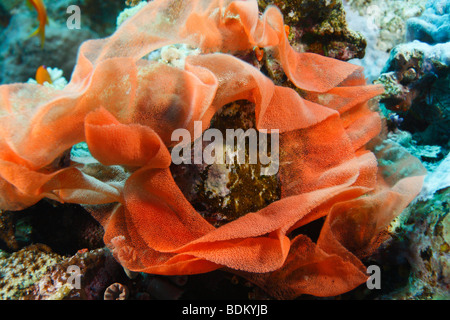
(116, 291)
(125, 108)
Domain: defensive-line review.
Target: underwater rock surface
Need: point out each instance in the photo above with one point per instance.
(319, 26)
(387, 19)
(417, 81)
(40, 274)
(424, 228)
(416, 104)
(412, 69)
(382, 22)
(433, 26)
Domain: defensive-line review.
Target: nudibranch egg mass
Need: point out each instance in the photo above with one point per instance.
(125, 99)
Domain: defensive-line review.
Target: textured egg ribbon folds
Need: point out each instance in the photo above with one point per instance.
(126, 108)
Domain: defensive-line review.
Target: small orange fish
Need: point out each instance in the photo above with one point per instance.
(42, 18)
(42, 75)
(286, 30)
(259, 53)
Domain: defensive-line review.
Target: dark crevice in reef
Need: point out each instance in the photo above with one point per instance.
(66, 228)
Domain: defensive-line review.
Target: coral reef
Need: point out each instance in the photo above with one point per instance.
(332, 118)
(102, 142)
(387, 18)
(425, 229)
(417, 81)
(411, 69)
(428, 154)
(374, 58)
(319, 27)
(21, 56)
(95, 268)
(382, 23)
(416, 107)
(129, 12)
(415, 259)
(133, 3)
(433, 25)
(20, 270)
(436, 180)
(37, 273)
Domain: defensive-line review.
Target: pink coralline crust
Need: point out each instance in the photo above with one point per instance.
(126, 107)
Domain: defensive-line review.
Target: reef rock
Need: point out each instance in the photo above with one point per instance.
(417, 77)
(382, 23)
(437, 180)
(150, 226)
(22, 269)
(387, 18)
(411, 69)
(319, 26)
(425, 230)
(428, 154)
(37, 273)
(434, 24)
(414, 262)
